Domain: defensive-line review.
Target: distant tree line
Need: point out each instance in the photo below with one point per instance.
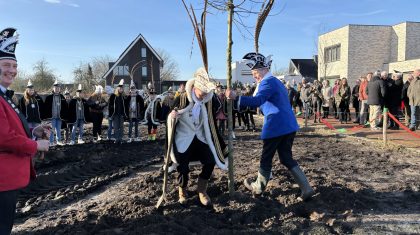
(87, 73)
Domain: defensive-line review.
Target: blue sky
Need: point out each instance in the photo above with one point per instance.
(66, 32)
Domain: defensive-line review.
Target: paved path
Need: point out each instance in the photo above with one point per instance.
(400, 137)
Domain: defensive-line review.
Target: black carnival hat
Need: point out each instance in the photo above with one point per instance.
(256, 60)
(8, 44)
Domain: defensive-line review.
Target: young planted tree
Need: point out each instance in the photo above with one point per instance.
(241, 10)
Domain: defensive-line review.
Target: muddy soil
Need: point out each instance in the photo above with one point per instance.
(109, 189)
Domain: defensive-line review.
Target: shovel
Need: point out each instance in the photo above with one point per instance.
(166, 166)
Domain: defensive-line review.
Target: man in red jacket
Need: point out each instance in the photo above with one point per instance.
(16, 146)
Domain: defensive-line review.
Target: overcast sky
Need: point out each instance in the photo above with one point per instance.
(66, 32)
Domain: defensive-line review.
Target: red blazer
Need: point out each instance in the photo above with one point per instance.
(16, 150)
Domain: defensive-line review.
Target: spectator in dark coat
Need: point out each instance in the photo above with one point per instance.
(376, 93)
(30, 104)
(342, 99)
(118, 111)
(355, 100)
(395, 91)
(316, 98)
(55, 109)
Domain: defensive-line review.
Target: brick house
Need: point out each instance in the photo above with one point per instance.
(354, 50)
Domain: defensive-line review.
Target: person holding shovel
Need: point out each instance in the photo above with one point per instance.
(195, 135)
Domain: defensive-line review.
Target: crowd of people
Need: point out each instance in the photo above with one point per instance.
(369, 96)
(318, 100)
(68, 114)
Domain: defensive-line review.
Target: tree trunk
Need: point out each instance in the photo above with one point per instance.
(231, 182)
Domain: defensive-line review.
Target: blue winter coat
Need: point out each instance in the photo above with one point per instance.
(272, 98)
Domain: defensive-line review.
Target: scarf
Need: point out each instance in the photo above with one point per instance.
(196, 109)
(256, 89)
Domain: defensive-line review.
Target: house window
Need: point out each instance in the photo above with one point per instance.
(121, 70)
(143, 52)
(332, 53)
(144, 71)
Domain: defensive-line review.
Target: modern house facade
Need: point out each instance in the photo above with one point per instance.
(354, 50)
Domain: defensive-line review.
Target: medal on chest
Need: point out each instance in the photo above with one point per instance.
(13, 106)
(33, 106)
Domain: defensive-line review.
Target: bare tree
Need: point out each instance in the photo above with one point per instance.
(170, 70)
(20, 82)
(320, 43)
(100, 67)
(279, 71)
(43, 77)
(90, 74)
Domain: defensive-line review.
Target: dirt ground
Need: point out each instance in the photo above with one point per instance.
(108, 189)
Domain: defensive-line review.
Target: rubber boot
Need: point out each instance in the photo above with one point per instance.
(300, 178)
(182, 192)
(202, 192)
(258, 186)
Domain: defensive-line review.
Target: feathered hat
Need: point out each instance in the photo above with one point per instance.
(202, 81)
(256, 60)
(56, 83)
(30, 85)
(132, 85)
(98, 89)
(8, 43)
(121, 83)
(67, 92)
(79, 88)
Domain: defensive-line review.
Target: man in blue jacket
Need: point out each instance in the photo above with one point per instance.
(280, 125)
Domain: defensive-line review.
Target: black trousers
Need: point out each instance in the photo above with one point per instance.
(197, 151)
(326, 111)
(393, 109)
(97, 123)
(150, 126)
(316, 105)
(249, 120)
(283, 145)
(221, 126)
(7, 211)
(238, 115)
